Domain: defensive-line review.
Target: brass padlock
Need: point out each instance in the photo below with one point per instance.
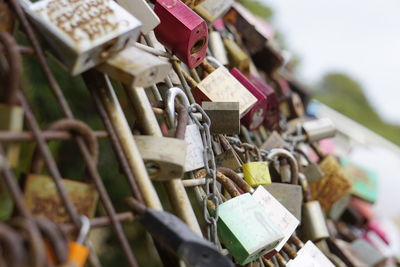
(228, 158)
(143, 12)
(313, 222)
(136, 68)
(83, 33)
(217, 47)
(256, 173)
(228, 89)
(211, 10)
(237, 57)
(290, 195)
(319, 129)
(194, 155)
(224, 117)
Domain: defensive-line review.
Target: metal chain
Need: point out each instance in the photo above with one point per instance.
(211, 169)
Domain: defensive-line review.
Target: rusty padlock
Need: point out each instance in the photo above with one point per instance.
(83, 33)
(221, 86)
(40, 193)
(190, 40)
(135, 67)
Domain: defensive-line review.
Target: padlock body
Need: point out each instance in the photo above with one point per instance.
(224, 117)
(245, 230)
(228, 159)
(365, 251)
(274, 140)
(256, 173)
(319, 129)
(143, 12)
(84, 33)
(272, 117)
(237, 57)
(77, 254)
(313, 172)
(310, 255)
(182, 31)
(292, 106)
(211, 10)
(164, 157)
(221, 86)
(42, 199)
(11, 119)
(256, 115)
(136, 68)
(194, 156)
(217, 48)
(313, 223)
(289, 195)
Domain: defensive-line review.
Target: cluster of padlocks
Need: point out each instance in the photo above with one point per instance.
(219, 122)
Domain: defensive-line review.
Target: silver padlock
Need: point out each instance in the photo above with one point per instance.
(142, 11)
(83, 33)
(135, 67)
(319, 129)
(195, 147)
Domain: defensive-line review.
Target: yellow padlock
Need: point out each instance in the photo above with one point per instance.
(257, 172)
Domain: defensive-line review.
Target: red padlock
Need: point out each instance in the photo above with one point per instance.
(256, 115)
(272, 116)
(182, 31)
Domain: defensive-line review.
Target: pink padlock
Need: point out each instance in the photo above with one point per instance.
(182, 31)
(272, 116)
(256, 115)
(375, 226)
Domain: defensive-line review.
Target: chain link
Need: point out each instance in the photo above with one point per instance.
(211, 169)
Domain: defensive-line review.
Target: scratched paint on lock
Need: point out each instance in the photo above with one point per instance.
(42, 199)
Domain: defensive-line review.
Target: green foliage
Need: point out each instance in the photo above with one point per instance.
(258, 8)
(345, 95)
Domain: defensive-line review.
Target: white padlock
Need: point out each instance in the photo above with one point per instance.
(142, 11)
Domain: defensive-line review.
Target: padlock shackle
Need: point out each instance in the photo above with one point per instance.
(303, 154)
(235, 178)
(84, 231)
(14, 73)
(222, 179)
(213, 61)
(182, 120)
(172, 94)
(306, 188)
(76, 127)
(294, 168)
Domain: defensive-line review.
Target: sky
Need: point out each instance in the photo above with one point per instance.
(358, 37)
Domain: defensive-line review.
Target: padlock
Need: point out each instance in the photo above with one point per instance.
(143, 12)
(256, 115)
(312, 170)
(269, 60)
(345, 252)
(237, 57)
(257, 172)
(224, 117)
(221, 86)
(228, 158)
(313, 222)
(292, 106)
(211, 10)
(365, 251)
(194, 153)
(290, 195)
(332, 186)
(178, 238)
(136, 68)
(245, 230)
(272, 117)
(217, 47)
(364, 181)
(83, 33)
(319, 129)
(274, 140)
(77, 251)
(366, 209)
(340, 206)
(284, 171)
(190, 38)
(310, 255)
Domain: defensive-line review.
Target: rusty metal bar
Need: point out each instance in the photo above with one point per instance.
(6, 136)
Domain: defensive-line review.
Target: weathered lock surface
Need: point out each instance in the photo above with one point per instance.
(365, 251)
(256, 115)
(164, 157)
(42, 199)
(274, 140)
(237, 57)
(310, 255)
(273, 115)
(313, 172)
(136, 68)
(278, 213)
(332, 186)
(195, 148)
(211, 10)
(319, 129)
(143, 12)
(228, 159)
(246, 231)
(256, 173)
(288, 195)
(217, 47)
(84, 33)
(313, 221)
(221, 86)
(224, 117)
(190, 33)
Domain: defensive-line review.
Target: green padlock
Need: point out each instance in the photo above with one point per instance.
(256, 173)
(246, 230)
